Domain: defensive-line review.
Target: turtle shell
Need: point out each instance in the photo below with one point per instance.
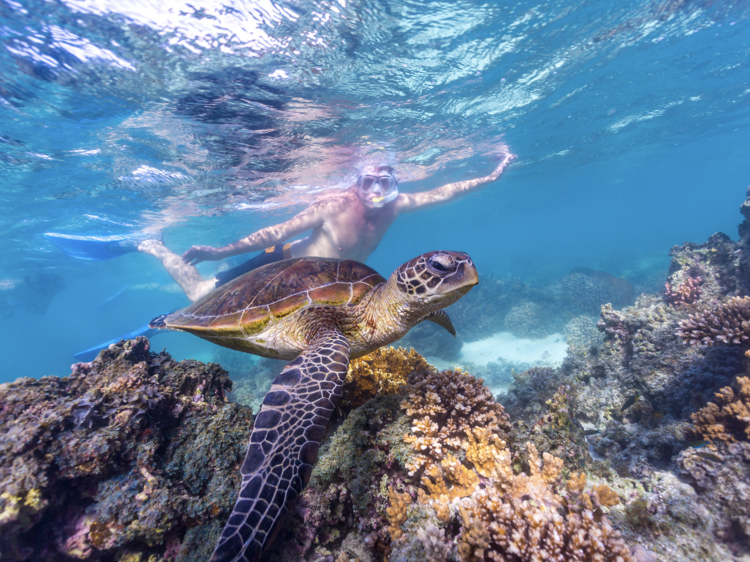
(246, 306)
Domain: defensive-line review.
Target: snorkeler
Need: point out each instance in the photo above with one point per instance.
(347, 225)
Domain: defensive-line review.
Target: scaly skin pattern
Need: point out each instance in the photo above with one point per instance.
(323, 337)
(284, 445)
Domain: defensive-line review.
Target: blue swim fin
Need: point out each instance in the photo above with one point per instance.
(91, 353)
(99, 247)
(111, 301)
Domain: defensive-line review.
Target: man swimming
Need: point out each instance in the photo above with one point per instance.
(347, 225)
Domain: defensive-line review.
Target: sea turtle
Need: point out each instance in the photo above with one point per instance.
(320, 313)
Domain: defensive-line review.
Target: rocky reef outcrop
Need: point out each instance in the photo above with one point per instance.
(131, 457)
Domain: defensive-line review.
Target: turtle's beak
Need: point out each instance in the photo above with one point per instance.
(469, 273)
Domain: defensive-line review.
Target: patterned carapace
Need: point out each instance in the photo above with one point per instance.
(320, 313)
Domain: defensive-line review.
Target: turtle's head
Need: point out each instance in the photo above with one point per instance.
(436, 279)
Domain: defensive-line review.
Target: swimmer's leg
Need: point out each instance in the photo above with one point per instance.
(186, 276)
(99, 247)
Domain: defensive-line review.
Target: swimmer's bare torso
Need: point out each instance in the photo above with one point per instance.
(345, 225)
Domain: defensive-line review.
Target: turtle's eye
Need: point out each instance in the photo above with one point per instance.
(441, 263)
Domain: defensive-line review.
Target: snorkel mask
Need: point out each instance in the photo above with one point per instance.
(378, 188)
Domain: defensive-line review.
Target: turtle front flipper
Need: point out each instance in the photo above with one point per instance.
(441, 318)
(284, 445)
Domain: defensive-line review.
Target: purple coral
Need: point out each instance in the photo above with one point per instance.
(687, 293)
(728, 324)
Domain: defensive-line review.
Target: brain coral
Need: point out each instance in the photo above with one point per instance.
(582, 331)
(728, 323)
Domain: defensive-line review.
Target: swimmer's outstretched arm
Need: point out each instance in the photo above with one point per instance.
(310, 218)
(408, 202)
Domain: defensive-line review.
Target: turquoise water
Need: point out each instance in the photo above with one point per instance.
(631, 122)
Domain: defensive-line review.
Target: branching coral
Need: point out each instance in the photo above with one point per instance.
(687, 293)
(523, 519)
(438, 494)
(435, 546)
(445, 407)
(728, 323)
(381, 372)
(484, 450)
(505, 516)
(727, 420)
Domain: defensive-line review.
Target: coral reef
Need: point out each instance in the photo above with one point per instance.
(383, 371)
(587, 290)
(521, 517)
(135, 457)
(687, 293)
(444, 407)
(581, 331)
(526, 320)
(119, 460)
(728, 323)
(729, 420)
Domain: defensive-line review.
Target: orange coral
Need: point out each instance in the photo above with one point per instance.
(464, 481)
(445, 407)
(512, 517)
(383, 371)
(484, 450)
(525, 520)
(396, 513)
(576, 484)
(605, 496)
(727, 420)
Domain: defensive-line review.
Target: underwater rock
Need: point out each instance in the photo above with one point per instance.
(718, 264)
(530, 391)
(132, 456)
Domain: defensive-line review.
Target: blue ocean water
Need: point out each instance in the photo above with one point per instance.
(207, 120)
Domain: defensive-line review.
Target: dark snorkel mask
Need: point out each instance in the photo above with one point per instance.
(377, 189)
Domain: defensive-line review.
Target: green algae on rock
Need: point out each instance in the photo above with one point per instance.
(129, 457)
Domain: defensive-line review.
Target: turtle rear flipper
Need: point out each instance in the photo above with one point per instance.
(284, 445)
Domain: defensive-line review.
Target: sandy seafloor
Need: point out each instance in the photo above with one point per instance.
(512, 352)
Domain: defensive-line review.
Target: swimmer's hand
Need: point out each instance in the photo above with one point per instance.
(197, 254)
(506, 157)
